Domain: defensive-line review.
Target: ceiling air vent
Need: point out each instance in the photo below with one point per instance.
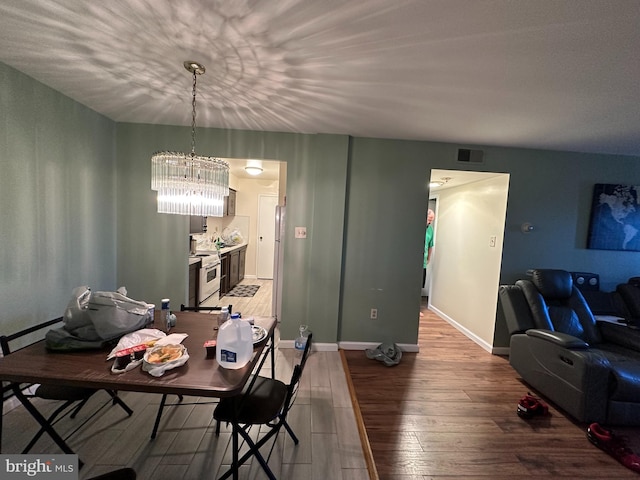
(470, 156)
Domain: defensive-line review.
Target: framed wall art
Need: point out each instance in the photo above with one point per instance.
(615, 218)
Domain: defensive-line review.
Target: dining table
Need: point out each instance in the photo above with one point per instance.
(200, 376)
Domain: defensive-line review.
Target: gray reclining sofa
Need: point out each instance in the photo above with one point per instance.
(588, 368)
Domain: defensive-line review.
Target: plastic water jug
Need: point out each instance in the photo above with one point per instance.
(235, 344)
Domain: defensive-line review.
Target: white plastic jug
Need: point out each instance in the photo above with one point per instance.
(235, 344)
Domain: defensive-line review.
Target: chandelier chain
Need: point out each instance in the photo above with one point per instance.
(190, 184)
(193, 117)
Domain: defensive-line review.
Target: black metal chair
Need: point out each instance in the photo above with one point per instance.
(266, 401)
(72, 398)
(163, 401)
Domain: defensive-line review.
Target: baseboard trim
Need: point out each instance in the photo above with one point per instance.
(405, 347)
(466, 332)
(318, 347)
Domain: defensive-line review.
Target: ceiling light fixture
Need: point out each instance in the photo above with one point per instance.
(253, 170)
(439, 183)
(189, 184)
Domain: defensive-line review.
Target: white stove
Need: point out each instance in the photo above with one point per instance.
(209, 274)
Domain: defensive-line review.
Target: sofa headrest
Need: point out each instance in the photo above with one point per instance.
(551, 283)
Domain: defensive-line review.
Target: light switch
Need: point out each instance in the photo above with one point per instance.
(492, 241)
(301, 232)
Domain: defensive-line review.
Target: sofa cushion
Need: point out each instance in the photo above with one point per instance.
(625, 369)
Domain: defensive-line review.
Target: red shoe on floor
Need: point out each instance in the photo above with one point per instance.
(529, 406)
(613, 445)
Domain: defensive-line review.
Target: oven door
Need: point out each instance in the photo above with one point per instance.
(209, 281)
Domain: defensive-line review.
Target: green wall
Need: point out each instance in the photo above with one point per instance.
(153, 248)
(77, 209)
(57, 201)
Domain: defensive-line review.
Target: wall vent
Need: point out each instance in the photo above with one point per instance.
(466, 155)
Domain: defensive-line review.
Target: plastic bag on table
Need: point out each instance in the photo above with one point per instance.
(93, 320)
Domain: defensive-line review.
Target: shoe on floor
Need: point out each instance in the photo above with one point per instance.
(614, 445)
(529, 406)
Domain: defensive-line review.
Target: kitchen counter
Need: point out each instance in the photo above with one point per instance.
(232, 248)
(194, 260)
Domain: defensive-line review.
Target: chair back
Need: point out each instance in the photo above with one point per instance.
(305, 353)
(556, 304)
(184, 308)
(292, 388)
(20, 338)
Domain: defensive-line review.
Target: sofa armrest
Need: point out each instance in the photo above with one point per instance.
(561, 339)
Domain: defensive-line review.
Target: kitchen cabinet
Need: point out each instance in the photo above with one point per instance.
(197, 224)
(241, 262)
(224, 274)
(229, 209)
(233, 266)
(193, 284)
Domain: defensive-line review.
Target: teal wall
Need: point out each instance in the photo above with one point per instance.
(72, 214)
(153, 248)
(57, 201)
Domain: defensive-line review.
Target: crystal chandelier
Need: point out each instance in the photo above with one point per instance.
(189, 184)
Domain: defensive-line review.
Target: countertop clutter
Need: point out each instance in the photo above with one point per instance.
(196, 259)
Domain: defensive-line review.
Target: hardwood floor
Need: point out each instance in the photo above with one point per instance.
(186, 446)
(449, 412)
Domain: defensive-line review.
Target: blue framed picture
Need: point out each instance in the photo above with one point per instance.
(615, 218)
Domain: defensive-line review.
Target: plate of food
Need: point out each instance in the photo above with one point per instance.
(259, 333)
(163, 354)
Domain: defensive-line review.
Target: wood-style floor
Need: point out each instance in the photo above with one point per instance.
(186, 446)
(449, 412)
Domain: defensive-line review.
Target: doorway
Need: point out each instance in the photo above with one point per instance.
(465, 266)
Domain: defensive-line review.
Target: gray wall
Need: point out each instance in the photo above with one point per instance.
(72, 215)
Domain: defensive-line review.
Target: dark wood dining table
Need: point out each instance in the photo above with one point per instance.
(200, 376)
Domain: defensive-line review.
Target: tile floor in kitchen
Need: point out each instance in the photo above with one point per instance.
(186, 446)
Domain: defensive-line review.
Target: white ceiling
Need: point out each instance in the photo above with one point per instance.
(551, 74)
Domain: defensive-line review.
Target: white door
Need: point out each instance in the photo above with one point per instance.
(266, 235)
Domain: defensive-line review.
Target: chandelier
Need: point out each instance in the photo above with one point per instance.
(190, 184)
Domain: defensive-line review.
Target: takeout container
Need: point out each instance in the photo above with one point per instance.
(164, 354)
(161, 358)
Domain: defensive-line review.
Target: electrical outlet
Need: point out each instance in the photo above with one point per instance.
(374, 313)
(301, 232)
(492, 241)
